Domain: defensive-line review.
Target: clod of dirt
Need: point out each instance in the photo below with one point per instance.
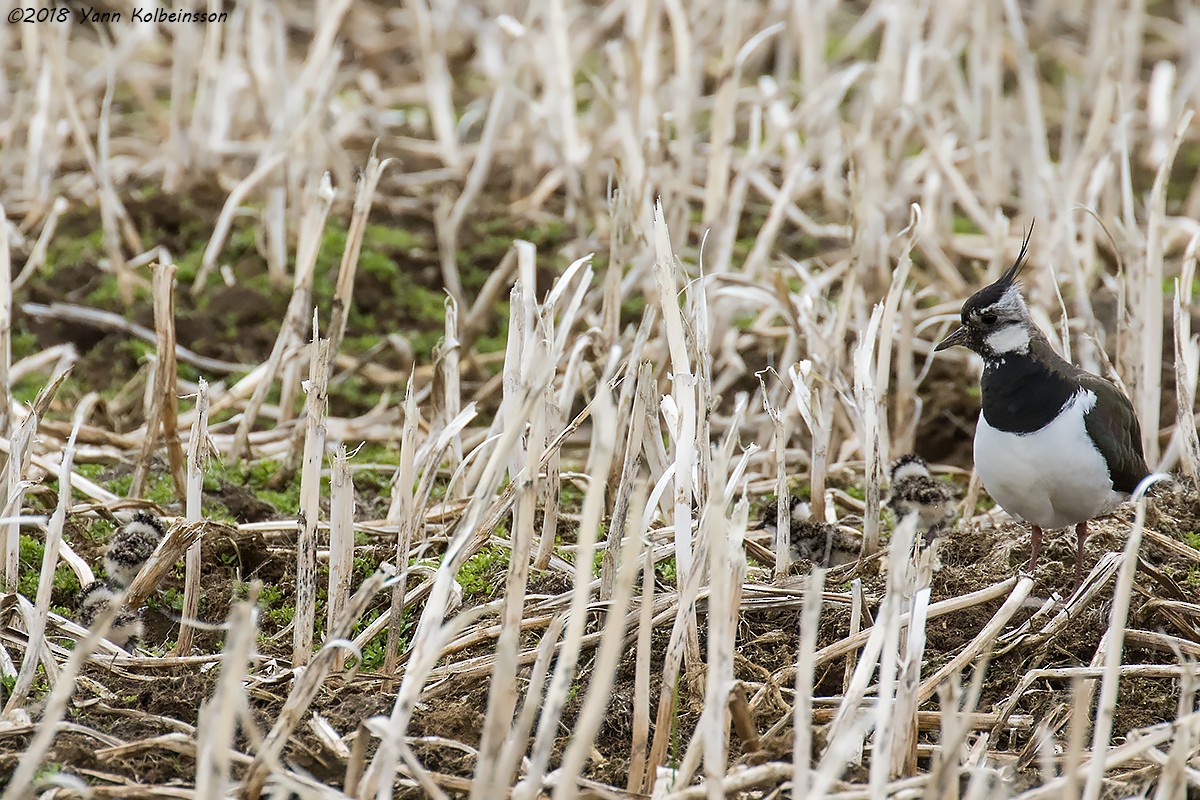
(243, 504)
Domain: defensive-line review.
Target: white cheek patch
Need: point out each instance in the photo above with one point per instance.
(1010, 304)
(1009, 339)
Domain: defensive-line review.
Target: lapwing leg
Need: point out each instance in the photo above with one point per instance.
(1035, 545)
(1081, 533)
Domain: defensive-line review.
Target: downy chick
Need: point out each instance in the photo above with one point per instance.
(915, 491)
(819, 542)
(131, 547)
(94, 600)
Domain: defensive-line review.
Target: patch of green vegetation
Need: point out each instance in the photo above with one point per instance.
(366, 561)
(377, 453)
(743, 322)
(372, 482)
(1193, 539)
(1193, 577)
(375, 651)
(47, 771)
(570, 496)
(171, 598)
(667, 571)
(30, 554)
(481, 577)
(23, 344)
(964, 224)
(260, 478)
(632, 308)
(160, 487)
(392, 237)
(285, 501)
(91, 471)
(107, 294)
(275, 606)
(26, 390)
(496, 340)
(121, 485)
(354, 391)
(1169, 285)
(68, 250)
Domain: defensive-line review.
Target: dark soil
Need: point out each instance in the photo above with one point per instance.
(399, 292)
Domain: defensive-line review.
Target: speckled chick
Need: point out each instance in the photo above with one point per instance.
(94, 600)
(915, 491)
(132, 546)
(819, 542)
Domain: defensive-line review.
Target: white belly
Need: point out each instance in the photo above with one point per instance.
(1053, 477)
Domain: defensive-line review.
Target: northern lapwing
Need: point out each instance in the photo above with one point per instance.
(819, 542)
(94, 600)
(1055, 445)
(913, 490)
(131, 547)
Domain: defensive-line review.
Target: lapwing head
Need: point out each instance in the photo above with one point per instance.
(995, 320)
(770, 518)
(909, 465)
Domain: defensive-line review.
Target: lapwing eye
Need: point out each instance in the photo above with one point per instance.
(987, 318)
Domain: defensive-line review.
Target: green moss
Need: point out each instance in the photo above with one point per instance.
(391, 237)
(353, 391)
(632, 308)
(964, 224)
(68, 250)
(26, 390)
(375, 651)
(496, 340)
(24, 344)
(1193, 577)
(425, 305)
(258, 476)
(1169, 285)
(92, 471)
(171, 598)
(160, 489)
(481, 577)
(47, 771)
(66, 584)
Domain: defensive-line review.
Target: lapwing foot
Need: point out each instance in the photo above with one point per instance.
(1081, 533)
(1035, 546)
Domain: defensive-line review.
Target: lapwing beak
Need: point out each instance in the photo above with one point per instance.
(956, 338)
